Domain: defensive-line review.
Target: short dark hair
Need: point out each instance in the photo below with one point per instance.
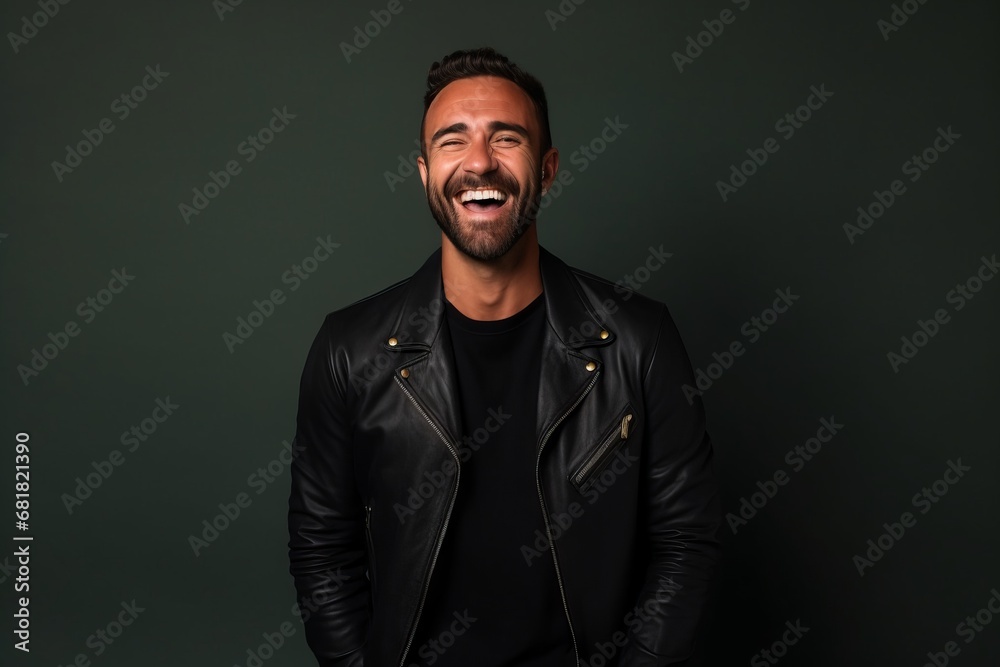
(484, 61)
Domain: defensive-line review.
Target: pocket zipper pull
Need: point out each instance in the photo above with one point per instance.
(625, 420)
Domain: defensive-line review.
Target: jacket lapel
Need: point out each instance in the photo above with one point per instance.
(566, 377)
(424, 347)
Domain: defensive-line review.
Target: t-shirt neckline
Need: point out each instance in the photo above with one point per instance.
(504, 325)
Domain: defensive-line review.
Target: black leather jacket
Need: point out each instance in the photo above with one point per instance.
(624, 472)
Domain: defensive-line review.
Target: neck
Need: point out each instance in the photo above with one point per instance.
(496, 289)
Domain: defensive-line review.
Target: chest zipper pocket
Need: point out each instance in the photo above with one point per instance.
(611, 441)
(370, 543)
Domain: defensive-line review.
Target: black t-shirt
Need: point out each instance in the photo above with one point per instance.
(482, 573)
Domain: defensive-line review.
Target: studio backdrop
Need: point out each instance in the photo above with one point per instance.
(190, 187)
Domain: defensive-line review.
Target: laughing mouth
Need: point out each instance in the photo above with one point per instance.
(482, 200)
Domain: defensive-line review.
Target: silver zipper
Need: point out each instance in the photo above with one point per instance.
(371, 547)
(621, 432)
(545, 517)
(447, 517)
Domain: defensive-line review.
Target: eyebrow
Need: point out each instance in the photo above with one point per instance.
(495, 126)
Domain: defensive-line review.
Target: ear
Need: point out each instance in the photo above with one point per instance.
(550, 168)
(422, 168)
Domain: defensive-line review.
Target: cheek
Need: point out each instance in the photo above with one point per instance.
(441, 174)
(525, 169)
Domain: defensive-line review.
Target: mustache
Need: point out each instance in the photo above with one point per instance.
(496, 182)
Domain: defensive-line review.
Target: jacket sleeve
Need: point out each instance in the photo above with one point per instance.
(326, 526)
(680, 511)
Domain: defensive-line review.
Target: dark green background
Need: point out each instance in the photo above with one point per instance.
(325, 175)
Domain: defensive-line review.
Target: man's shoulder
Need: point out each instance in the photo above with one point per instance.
(370, 310)
(616, 298)
(377, 307)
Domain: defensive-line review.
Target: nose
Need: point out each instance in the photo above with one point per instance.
(480, 158)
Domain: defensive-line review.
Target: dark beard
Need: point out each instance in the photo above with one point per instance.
(485, 243)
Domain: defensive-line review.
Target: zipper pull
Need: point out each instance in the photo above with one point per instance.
(624, 429)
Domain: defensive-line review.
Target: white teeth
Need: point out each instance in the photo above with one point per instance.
(470, 195)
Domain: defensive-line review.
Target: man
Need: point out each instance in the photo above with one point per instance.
(497, 464)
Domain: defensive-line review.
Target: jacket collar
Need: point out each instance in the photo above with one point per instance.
(570, 315)
(426, 368)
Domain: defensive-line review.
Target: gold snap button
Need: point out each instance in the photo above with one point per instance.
(604, 334)
(405, 372)
(392, 342)
(591, 365)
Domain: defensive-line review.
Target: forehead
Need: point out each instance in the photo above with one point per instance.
(482, 98)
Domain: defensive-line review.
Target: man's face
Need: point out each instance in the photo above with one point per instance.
(483, 170)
